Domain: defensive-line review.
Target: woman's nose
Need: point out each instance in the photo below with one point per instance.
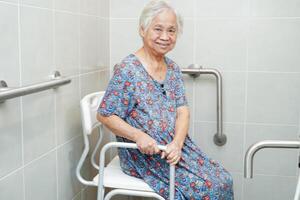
(164, 35)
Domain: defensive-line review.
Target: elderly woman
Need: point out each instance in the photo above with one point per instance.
(145, 103)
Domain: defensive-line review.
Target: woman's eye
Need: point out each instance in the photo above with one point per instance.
(158, 29)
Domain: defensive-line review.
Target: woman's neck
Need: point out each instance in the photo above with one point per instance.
(155, 61)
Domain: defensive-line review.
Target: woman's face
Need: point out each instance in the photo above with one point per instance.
(160, 37)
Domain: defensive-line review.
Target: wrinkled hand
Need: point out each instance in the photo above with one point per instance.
(147, 144)
(172, 153)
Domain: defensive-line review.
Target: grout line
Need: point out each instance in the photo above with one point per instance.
(21, 103)
(245, 18)
(246, 95)
(88, 73)
(9, 3)
(36, 7)
(194, 61)
(248, 123)
(273, 72)
(55, 10)
(55, 96)
(41, 156)
(79, 55)
(111, 137)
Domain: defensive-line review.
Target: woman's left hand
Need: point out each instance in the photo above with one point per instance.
(172, 153)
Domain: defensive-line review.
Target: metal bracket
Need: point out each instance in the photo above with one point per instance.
(56, 75)
(3, 85)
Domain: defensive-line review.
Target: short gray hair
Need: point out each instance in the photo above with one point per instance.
(153, 8)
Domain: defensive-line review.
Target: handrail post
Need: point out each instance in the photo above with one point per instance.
(248, 160)
(194, 71)
(131, 146)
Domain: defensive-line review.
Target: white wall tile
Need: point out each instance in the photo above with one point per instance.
(123, 44)
(90, 83)
(274, 45)
(9, 49)
(68, 120)
(103, 43)
(233, 97)
(203, 136)
(273, 98)
(104, 79)
(184, 8)
(68, 157)
(282, 162)
(9, 1)
(12, 187)
(269, 187)
(237, 185)
(275, 8)
(89, 50)
(221, 44)
(38, 124)
(67, 5)
(10, 137)
(126, 9)
(38, 3)
(183, 53)
(217, 8)
(104, 10)
(67, 43)
(40, 178)
(36, 44)
(89, 7)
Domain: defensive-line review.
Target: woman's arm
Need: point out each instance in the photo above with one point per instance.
(118, 126)
(182, 125)
(173, 151)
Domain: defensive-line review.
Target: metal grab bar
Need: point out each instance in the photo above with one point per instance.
(131, 146)
(9, 93)
(248, 161)
(195, 71)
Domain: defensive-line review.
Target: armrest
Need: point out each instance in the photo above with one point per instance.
(131, 146)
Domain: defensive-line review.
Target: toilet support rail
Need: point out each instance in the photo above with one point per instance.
(248, 161)
(195, 71)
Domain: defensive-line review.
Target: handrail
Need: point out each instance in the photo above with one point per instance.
(248, 161)
(9, 93)
(195, 71)
(132, 146)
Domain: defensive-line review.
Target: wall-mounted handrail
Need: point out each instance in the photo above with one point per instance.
(195, 71)
(249, 156)
(9, 93)
(248, 161)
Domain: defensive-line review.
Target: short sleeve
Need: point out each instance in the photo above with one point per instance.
(117, 99)
(179, 89)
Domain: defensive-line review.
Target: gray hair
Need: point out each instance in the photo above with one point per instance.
(153, 8)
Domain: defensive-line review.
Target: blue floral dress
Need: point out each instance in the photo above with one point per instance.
(150, 106)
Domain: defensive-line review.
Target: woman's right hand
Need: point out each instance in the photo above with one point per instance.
(146, 144)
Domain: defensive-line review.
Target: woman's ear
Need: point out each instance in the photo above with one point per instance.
(142, 32)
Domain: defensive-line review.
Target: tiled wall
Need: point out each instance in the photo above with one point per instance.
(255, 44)
(40, 134)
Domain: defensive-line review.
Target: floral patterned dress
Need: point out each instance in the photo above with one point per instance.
(149, 105)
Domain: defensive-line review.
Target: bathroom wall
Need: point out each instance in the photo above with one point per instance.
(40, 134)
(255, 44)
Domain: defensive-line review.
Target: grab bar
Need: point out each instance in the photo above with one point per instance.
(248, 162)
(194, 71)
(9, 93)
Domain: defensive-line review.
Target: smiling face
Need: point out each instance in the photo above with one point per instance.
(161, 35)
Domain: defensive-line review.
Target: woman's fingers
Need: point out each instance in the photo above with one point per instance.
(174, 160)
